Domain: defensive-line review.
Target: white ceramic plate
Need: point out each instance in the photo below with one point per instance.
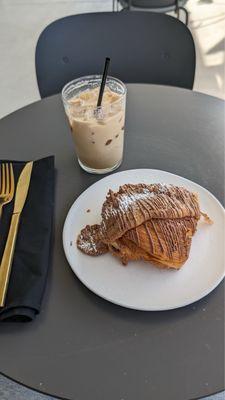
(140, 285)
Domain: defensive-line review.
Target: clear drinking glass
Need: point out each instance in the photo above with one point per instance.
(98, 132)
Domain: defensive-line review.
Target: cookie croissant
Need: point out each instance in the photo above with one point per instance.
(153, 222)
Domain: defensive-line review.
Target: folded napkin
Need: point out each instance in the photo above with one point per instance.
(33, 246)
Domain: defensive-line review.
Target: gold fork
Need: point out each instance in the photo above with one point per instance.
(7, 185)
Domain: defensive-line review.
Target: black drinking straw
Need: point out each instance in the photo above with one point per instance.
(103, 82)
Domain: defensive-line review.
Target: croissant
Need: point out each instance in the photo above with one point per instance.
(165, 243)
(153, 222)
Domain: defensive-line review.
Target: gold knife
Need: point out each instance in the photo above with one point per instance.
(7, 258)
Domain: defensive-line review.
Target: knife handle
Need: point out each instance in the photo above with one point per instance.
(7, 258)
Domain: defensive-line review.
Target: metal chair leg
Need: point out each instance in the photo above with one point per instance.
(186, 15)
(115, 5)
(127, 7)
(129, 4)
(185, 12)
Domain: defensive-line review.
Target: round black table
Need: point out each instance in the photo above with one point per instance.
(81, 347)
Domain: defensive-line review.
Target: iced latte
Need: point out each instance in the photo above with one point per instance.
(98, 132)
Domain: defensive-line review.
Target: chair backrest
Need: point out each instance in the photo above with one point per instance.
(144, 48)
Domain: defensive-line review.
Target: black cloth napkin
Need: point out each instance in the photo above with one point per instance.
(34, 241)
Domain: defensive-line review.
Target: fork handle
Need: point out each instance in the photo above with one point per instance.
(7, 258)
(1, 207)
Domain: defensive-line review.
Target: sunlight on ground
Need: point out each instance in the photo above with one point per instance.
(207, 23)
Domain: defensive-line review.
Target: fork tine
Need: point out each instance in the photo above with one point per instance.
(7, 180)
(3, 179)
(7, 184)
(12, 184)
(0, 179)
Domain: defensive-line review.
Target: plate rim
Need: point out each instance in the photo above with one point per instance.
(138, 308)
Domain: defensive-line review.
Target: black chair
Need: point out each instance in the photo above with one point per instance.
(162, 6)
(144, 48)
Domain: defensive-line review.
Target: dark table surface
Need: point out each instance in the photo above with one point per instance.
(82, 347)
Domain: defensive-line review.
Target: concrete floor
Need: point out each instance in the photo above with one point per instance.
(21, 22)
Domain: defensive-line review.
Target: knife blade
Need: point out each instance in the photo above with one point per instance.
(7, 258)
(22, 188)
